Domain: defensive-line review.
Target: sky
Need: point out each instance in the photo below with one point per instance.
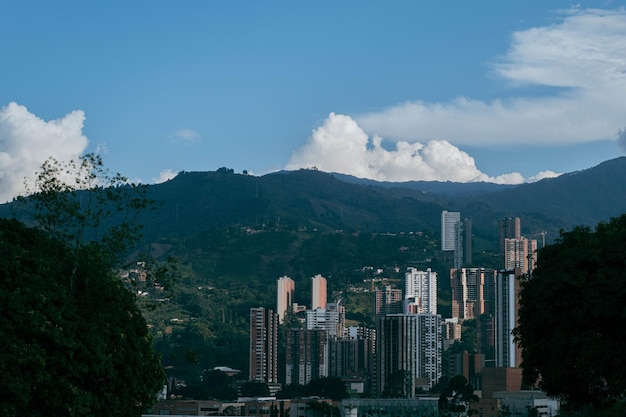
(506, 92)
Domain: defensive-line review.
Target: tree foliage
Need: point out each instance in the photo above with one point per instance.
(456, 397)
(569, 310)
(76, 343)
(69, 351)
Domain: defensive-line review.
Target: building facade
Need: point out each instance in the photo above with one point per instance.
(306, 356)
(420, 292)
(318, 292)
(389, 301)
(509, 228)
(472, 291)
(331, 319)
(284, 296)
(520, 253)
(263, 345)
(507, 352)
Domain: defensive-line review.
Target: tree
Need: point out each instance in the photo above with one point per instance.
(327, 387)
(569, 308)
(69, 350)
(255, 389)
(456, 397)
(76, 342)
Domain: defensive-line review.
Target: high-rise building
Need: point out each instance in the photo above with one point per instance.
(507, 352)
(420, 292)
(284, 296)
(331, 319)
(349, 357)
(389, 301)
(452, 236)
(450, 221)
(263, 345)
(520, 253)
(509, 228)
(472, 291)
(306, 356)
(318, 292)
(411, 344)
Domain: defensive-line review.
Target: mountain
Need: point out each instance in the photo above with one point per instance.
(196, 201)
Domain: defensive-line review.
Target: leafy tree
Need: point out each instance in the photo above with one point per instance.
(327, 387)
(255, 389)
(456, 397)
(69, 350)
(568, 312)
(77, 343)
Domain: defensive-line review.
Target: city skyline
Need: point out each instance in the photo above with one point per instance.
(406, 91)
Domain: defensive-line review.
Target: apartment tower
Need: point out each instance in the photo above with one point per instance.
(507, 352)
(284, 296)
(420, 293)
(263, 345)
(318, 292)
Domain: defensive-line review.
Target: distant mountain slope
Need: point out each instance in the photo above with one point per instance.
(204, 201)
(580, 198)
(195, 201)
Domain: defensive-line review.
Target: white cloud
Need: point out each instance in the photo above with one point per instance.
(165, 175)
(582, 55)
(27, 141)
(340, 145)
(187, 135)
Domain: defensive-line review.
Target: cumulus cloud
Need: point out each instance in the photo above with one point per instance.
(582, 57)
(165, 175)
(340, 145)
(27, 141)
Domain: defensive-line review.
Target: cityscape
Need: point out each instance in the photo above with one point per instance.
(409, 339)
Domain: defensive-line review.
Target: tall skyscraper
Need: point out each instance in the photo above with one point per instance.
(263, 345)
(408, 343)
(472, 291)
(306, 356)
(520, 253)
(507, 352)
(284, 296)
(449, 229)
(452, 237)
(318, 292)
(509, 228)
(389, 301)
(420, 292)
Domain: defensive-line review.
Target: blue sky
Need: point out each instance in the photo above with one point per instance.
(461, 91)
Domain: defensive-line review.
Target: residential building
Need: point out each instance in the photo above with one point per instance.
(389, 301)
(449, 229)
(306, 356)
(318, 292)
(507, 351)
(509, 228)
(472, 291)
(408, 343)
(520, 253)
(420, 292)
(331, 319)
(452, 236)
(263, 345)
(284, 296)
